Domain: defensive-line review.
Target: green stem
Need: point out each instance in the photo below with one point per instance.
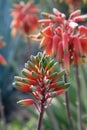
(41, 116)
(68, 106)
(79, 110)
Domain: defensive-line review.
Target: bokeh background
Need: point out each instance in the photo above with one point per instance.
(16, 53)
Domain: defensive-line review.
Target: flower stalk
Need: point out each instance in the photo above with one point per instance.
(68, 106)
(40, 117)
(79, 109)
(43, 80)
(41, 112)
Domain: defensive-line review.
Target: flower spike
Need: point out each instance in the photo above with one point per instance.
(25, 18)
(2, 59)
(64, 38)
(42, 79)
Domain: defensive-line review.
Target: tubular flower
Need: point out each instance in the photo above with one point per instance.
(42, 79)
(65, 39)
(2, 60)
(25, 18)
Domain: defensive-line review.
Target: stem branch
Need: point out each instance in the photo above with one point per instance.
(68, 106)
(79, 111)
(41, 116)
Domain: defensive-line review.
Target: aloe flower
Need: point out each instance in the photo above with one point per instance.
(2, 59)
(65, 39)
(41, 78)
(25, 19)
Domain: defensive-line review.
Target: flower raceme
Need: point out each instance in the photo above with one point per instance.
(65, 39)
(25, 18)
(2, 60)
(41, 78)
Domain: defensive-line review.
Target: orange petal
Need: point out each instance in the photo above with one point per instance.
(26, 102)
(28, 74)
(75, 13)
(60, 52)
(77, 45)
(76, 59)
(2, 60)
(54, 94)
(45, 41)
(47, 31)
(55, 44)
(22, 86)
(57, 12)
(1, 43)
(84, 45)
(65, 42)
(46, 21)
(48, 50)
(81, 18)
(60, 92)
(67, 62)
(83, 29)
(55, 18)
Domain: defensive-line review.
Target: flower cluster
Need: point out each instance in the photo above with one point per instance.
(65, 39)
(2, 60)
(41, 78)
(25, 18)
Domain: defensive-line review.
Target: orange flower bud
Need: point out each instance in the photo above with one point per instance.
(2, 60)
(55, 44)
(57, 12)
(65, 40)
(77, 45)
(60, 52)
(27, 74)
(22, 86)
(26, 102)
(67, 62)
(81, 18)
(44, 41)
(83, 29)
(74, 14)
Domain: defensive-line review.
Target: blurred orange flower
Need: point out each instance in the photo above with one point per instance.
(2, 60)
(25, 18)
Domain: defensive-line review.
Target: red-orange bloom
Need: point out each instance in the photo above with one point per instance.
(65, 39)
(25, 18)
(26, 102)
(2, 60)
(42, 79)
